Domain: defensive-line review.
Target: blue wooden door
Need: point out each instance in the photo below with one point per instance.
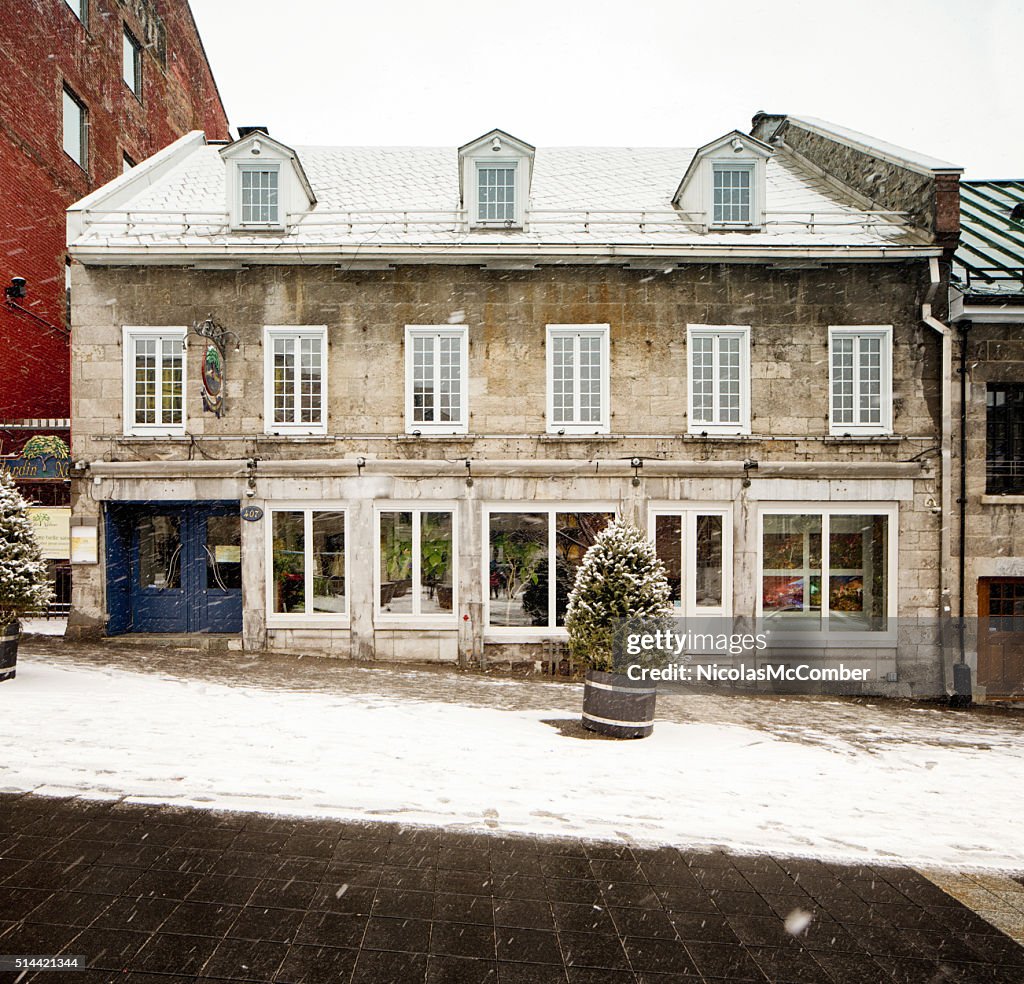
(185, 569)
(160, 564)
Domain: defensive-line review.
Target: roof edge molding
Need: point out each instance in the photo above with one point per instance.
(127, 185)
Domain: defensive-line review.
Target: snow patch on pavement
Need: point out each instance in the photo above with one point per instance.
(110, 732)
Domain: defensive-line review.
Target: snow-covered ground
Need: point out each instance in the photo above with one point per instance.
(921, 787)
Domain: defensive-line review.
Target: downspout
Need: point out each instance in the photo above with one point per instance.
(962, 695)
(946, 434)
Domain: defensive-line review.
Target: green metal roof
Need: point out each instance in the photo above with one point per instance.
(990, 257)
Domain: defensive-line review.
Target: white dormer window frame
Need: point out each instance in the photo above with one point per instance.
(734, 194)
(492, 198)
(257, 185)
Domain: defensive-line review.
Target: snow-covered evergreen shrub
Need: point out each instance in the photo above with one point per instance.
(620, 578)
(23, 583)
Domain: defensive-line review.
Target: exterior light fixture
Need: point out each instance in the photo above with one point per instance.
(737, 145)
(496, 144)
(17, 289)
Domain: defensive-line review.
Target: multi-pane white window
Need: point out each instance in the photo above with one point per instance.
(154, 380)
(259, 201)
(416, 563)
(307, 576)
(295, 380)
(695, 545)
(75, 143)
(436, 379)
(719, 370)
(578, 371)
(132, 63)
(732, 191)
(496, 192)
(860, 379)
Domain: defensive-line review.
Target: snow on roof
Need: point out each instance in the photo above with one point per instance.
(377, 196)
(872, 145)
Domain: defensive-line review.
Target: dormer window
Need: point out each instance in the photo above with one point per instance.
(496, 192)
(724, 186)
(494, 180)
(258, 187)
(733, 193)
(266, 185)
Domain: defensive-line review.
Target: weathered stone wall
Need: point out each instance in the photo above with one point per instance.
(506, 312)
(889, 185)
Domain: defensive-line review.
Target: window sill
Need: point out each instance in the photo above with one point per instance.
(601, 435)
(307, 622)
(291, 435)
(415, 623)
(177, 437)
(1009, 499)
(433, 435)
(864, 439)
(716, 436)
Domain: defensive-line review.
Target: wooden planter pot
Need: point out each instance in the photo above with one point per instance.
(616, 706)
(8, 649)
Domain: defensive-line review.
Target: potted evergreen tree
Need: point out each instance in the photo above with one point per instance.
(620, 578)
(23, 583)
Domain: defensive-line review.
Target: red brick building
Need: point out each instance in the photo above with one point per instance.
(89, 87)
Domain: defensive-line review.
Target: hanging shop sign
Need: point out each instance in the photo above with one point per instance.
(252, 514)
(46, 469)
(53, 531)
(213, 380)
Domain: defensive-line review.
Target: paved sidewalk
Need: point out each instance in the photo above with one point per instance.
(162, 894)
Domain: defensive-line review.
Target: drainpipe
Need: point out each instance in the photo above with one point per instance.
(962, 694)
(961, 671)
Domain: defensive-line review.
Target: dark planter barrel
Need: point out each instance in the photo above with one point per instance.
(616, 706)
(8, 649)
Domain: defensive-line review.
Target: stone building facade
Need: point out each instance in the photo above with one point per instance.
(429, 408)
(987, 309)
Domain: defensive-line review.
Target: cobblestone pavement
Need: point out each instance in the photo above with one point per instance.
(861, 723)
(162, 894)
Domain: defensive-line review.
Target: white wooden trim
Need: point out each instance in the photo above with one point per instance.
(128, 335)
(415, 618)
(689, 510)
(602, 331)
(533, 633)
(234, 170)
(298, 332)
(437, 331)
(885, 426)
(717, 332)
(824, 636)
(308, 618)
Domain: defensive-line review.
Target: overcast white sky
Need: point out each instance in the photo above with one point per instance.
(942, 77)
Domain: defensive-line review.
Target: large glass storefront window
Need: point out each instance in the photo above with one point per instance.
(308, 562)
(521, 546)
(416, 563)
(826, 570)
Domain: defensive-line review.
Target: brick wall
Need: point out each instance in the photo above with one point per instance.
(44, 46)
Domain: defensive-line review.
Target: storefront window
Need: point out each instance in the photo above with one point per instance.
(693, 547)
(329, 562)
(848, 588)
(416, 563)
(308, 566)
(519, 551)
